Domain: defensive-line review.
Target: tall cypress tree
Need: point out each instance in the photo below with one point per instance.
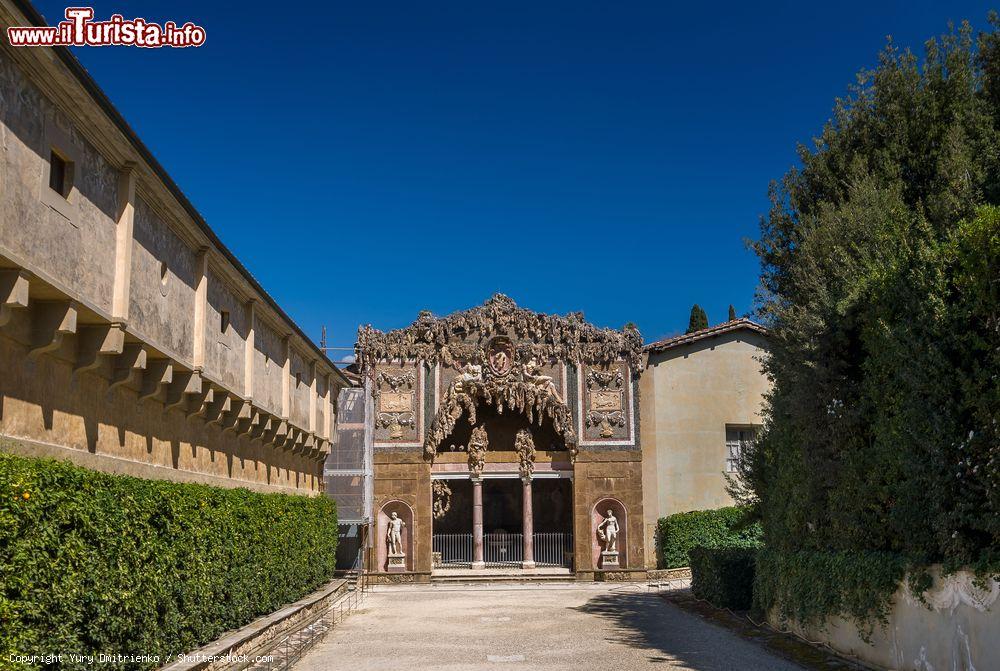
(698, 320)
(732, 313)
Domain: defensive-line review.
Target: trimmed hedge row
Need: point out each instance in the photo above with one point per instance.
(92, 563)
(678, 534)
(724, 576)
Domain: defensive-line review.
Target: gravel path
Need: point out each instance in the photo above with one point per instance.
(583, 627)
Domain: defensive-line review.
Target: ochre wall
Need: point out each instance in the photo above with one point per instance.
(50, 411)
(607, 474)
(688, 394)
(406, 477)
(118, 280)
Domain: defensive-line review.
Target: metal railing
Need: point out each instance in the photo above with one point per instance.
(455, 549)
(289, 649)
(551, 549)
(502, 549)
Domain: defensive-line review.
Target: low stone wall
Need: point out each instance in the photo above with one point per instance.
(956, 627)
(254, 638)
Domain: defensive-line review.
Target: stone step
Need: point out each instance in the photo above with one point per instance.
(472, 577)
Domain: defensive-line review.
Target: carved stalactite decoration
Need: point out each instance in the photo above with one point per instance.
(524, 445)
(463, 336)
(478, 444)
(442, 498)
(536, 403)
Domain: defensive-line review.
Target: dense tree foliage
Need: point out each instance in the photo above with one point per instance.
(881, 285)
(698, 319)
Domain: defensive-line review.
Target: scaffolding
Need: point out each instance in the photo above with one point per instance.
(347, 474)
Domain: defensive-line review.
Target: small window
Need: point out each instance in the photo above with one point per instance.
(224, 321)
(737, 438)
(60, 174)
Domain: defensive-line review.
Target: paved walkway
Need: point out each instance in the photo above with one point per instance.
(577, 627)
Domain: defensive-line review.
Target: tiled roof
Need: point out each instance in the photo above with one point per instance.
(718, 329)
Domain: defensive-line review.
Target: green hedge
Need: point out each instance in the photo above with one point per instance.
(808, 586)
(94, 563)
(724, 576)
(677, 534)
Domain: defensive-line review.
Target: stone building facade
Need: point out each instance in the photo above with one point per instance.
(703, 395)
(131, 339)
(505, 437)
(508, 438)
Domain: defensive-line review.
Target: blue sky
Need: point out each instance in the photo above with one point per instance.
(369, 160)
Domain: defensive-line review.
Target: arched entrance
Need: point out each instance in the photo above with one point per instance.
(508, 478)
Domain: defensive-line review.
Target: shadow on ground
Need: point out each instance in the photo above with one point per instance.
(670, 635)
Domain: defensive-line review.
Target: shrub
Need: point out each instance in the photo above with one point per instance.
(94, 563)
(677, 534)
(724, 576)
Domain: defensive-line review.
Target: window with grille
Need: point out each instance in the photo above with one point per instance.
(737, 438)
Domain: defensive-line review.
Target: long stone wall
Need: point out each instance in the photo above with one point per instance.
(956, 626)
(128, 332)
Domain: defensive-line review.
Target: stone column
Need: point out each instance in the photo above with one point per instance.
(528, 524)
(477, 524)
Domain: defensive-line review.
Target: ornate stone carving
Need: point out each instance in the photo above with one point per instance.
(524, 445)
(500, 356)
(606, 420)
(605, 389)
(442, 498)
(395, 407)
(531, 373)
(478, 444)
(537, 403)
(447, 339)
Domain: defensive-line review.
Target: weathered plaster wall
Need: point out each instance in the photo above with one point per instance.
(113, 345)
(957, 629)
(269, 357)
(598, 475)
(688, 394)
(225, 350)
(30, 230)
(406, 477)
(161, 300)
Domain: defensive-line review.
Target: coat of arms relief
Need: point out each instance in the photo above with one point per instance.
(395, 396)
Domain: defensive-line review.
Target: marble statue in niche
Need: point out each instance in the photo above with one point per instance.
(607, 532)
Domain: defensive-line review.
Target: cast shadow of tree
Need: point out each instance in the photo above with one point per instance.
(669, 635)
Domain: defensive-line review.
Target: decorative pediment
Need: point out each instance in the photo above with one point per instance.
(521, 334)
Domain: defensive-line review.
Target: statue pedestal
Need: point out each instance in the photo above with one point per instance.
(609, 560)
(397, 563)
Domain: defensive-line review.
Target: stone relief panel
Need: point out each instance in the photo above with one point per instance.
(398, 396)
(539, 372)
(606, 404)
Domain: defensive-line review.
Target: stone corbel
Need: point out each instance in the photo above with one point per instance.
(127, 367)
(263, 426)
(14, 284)
(95, 345)
(239, 411)
(245, 427)
(220, 408)
(195, 402)
(159, 374)
(51, 322)
(280, 435)
(185, 386)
